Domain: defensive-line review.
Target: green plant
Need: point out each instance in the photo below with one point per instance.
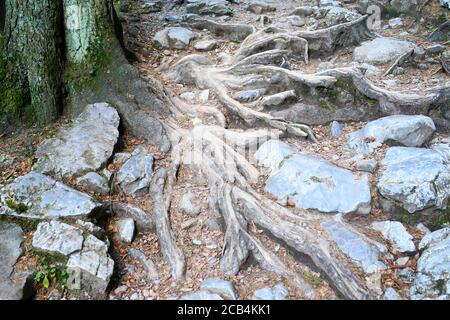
(49, 274)
(17, 207)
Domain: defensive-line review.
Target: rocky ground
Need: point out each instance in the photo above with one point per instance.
(324, 169)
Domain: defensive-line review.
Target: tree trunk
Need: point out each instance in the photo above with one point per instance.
(33, 49)
(40, 40)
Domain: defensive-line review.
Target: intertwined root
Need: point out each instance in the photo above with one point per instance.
(221, 154)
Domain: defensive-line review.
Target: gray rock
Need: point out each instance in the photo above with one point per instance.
(205, 45)
(188, 96)
(336, 129)
(144, 221)
(135, 175)
(204, 96)
(369, 165)
(126, 230)
(208, 7)
(364, 254)
(381, 50)
(410, 131)
(296, 21)
(249, 95)
(187, 224)
(423, 229)
(272, 153)
(396, 23)
(433, 276)
(37, 196)
(278, 292)
(92, 181)
(435, 49)
(221, 287)
(11, 238)
(313, 183)
(416, 178)
(442, 33)
(86, 145)
(390, 82)
(187, 204)
(91, 267)
(201, 295)
(391, 294)
(433, 238)
(337, 15)
(174, 38)
(404, 6)
(396, 233)
(57, 237)
(212, 225)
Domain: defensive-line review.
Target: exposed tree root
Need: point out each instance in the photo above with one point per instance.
(223, 156)
(161, 192)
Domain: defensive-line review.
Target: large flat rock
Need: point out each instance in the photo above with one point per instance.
(57, 237)
(37, 196)
(313, 183)
(416, 178)
(85, 145)
(406, 130)
(381, 50)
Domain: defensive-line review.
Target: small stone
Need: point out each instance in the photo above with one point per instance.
(94, 182)
(278, 292)
(389, 82)
(396, 233)
(126, 230)
(296, 21)
(120, 289)
(402, 261)
(204, 96)
(423, 228)
(367, 165)
(188, 96)
(336, 129)
(212, 225)
(188, 223)
(396, 23)
(205, 45)
(197, 242)
(187, 204)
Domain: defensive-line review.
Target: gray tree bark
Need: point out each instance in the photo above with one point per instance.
(33, 42)
(40, 39)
